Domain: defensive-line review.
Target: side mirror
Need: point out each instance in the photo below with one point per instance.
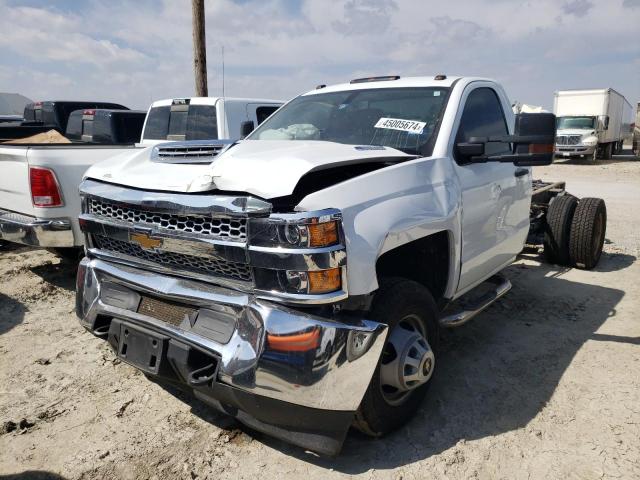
(603, 120)
(535, 138)
(533, 142)
(246, 128)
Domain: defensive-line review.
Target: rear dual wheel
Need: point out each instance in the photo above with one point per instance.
(556, 238)
(575, 231)
(403, 375)
(588, 229)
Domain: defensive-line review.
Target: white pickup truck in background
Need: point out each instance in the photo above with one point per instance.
(39, 201)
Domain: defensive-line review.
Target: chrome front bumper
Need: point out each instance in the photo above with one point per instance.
(263, 356)
(574, 150)
(35, 232)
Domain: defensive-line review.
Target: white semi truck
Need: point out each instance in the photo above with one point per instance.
(592, 124)
(298, 280)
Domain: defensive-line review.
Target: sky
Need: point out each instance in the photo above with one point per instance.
(137, 51)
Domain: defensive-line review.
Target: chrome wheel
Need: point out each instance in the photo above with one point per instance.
(407, 360)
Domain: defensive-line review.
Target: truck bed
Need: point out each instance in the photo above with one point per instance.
(67, 161)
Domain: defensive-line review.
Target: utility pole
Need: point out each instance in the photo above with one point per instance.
(199, 48)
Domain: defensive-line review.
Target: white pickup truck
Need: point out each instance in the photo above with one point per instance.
(298, 280)
(39, 201)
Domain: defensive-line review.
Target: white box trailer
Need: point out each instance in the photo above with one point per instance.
(591, 123)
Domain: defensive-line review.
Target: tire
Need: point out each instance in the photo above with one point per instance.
(382, 411)
(556, 238)
(607, 151)
(588, 230)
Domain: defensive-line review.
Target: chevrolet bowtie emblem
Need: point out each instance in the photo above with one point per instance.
(145, 241)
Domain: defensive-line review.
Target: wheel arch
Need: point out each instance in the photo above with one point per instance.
(428, 260)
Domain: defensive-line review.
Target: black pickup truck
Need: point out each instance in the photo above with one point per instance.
(43, 116)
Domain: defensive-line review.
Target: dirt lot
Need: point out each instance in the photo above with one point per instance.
(544, 384)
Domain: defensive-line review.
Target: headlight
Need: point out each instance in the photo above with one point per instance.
(296, 230)
(590, 141)
(312, 235)
(313, 282)
(298, 254)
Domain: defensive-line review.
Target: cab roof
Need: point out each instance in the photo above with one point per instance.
(402, 82)
(212, 100)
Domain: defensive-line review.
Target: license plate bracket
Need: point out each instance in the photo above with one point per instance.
(141, 348)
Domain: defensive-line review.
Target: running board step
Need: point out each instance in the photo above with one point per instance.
(494, 288)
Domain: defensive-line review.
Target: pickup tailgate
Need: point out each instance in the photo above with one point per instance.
(68, 162)
(15, 194)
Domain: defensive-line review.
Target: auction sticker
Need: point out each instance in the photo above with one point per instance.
(400, 124)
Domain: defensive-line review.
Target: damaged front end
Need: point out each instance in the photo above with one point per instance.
(233, 302)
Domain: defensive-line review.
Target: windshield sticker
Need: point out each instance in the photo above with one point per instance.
(400, 124)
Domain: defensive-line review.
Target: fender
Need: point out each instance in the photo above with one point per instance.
(378, 217)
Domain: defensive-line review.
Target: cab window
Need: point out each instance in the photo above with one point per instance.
(483, 117)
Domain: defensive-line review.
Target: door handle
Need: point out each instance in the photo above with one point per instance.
(521, 172)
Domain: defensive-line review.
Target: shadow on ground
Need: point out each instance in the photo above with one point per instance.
(32, 475)
(612, 262)
(609, 262)
(62, 274)
(495, 373)
(11, 313)
(626, 156)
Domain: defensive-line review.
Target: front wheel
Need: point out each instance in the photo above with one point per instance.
(403, 375)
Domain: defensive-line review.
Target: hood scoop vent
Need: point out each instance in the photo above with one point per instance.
(189, 151)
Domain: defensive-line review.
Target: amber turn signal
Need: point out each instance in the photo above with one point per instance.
(324, 281)
(296, 342)
(541, 148)
(323, 234)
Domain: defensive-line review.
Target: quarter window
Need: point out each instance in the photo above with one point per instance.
(262, 113)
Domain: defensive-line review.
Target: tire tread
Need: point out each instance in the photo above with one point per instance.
(559, 219)
(582, 230)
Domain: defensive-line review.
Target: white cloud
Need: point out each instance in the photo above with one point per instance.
(137, 51)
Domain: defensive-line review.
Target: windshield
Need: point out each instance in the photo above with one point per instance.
(401, 118)
(578, 123)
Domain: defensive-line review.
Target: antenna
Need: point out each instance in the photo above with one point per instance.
(222, 71)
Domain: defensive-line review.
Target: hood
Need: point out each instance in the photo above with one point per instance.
(576, 131)
(265, 168)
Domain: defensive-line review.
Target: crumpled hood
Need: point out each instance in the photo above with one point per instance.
(265, 168)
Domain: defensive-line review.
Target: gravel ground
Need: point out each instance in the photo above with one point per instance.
(544, 384)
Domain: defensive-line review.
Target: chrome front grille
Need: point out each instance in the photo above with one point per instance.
(184, 262)
(232, 229)
(568, 139)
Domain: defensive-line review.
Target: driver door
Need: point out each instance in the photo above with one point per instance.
(495, 196)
